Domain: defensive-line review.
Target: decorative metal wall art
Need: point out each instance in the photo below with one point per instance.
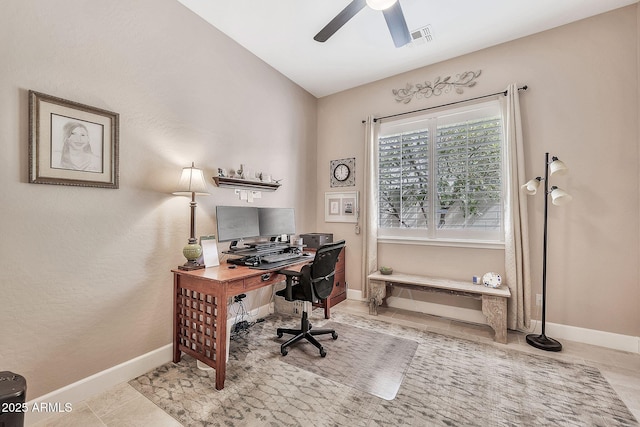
(438, 87)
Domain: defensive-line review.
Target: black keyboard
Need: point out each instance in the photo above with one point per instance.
(272, 265)
(279, 257)
(247, 260)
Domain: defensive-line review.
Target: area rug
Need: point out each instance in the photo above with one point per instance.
(449, 382)
(365, 359)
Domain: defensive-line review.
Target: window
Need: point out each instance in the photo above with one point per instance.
(440, 176)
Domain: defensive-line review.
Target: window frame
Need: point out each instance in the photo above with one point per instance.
(466, 237)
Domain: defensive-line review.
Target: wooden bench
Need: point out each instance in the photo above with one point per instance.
(494, 300)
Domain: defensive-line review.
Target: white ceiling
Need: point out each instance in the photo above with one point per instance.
(280, 32)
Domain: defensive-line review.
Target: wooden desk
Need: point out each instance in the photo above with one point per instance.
(200, 309)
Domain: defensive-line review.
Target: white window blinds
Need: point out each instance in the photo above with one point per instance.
(440, 175)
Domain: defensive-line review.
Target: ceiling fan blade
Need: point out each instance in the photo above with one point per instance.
(342, 18)
(397, 25)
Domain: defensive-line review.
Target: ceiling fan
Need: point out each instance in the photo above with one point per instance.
(392, 14)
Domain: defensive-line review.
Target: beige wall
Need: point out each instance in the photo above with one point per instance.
(86, 280)
(582, 106)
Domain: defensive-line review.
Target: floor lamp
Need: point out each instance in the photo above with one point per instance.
(192, 183)
(558, 197)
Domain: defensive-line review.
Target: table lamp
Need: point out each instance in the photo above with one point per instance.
(191, 183)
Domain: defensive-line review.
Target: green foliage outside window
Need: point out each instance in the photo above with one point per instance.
(468, 169)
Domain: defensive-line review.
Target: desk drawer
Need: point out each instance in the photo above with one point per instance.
(236, 286)
(264, 279)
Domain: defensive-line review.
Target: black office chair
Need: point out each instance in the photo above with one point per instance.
(311, 284)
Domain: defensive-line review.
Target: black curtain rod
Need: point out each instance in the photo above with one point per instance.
(525, 87)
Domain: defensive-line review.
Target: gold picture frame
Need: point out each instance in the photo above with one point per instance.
(72, 143)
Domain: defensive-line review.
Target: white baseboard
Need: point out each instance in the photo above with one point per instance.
(591, 336)
(100, 382)
(458, 313)
(587, 336)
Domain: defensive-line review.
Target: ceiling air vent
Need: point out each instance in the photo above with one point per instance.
(422, 36)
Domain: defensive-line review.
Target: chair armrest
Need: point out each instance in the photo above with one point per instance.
(290, 274)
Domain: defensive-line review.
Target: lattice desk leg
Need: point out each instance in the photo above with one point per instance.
(197, 334)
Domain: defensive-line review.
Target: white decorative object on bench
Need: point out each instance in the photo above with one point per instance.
(494, 300)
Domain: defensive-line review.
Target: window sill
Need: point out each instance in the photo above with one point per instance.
(480, 244)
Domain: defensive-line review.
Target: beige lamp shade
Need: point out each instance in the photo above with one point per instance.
(191, 181)
(380, 4)
(531, 187)
(559, 196)
(557, 167)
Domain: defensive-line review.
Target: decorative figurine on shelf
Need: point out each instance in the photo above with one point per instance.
(241, 172)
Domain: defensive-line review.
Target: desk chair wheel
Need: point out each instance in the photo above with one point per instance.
(322, 352)
(334, 336)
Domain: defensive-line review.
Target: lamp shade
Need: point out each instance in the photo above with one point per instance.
(531, 187)
(557, 167)
(559, 196)
(380, 4)
(191, 181)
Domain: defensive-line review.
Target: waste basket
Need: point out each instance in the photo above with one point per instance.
(13, 390)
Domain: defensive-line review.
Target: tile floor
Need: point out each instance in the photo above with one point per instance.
(124, 406)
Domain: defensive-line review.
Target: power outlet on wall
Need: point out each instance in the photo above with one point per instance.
(538, 300)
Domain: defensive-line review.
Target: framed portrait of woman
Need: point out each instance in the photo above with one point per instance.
(71, 143)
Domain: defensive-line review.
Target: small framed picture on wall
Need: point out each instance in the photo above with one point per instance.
(341, 207)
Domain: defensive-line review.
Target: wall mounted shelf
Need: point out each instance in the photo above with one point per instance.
(245, 183)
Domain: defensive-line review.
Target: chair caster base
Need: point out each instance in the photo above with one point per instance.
(308, 335)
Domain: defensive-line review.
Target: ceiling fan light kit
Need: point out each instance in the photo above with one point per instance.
(380, 4)
(393, 15)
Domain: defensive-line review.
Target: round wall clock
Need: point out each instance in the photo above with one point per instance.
(342, 172)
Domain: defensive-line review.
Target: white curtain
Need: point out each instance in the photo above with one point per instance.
(517, 266)
(370, 205)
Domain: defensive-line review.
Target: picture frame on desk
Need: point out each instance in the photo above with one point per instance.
(209, 256)
(341, 207)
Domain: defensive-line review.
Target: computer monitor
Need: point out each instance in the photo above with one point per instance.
(237, 222)
(276, 221)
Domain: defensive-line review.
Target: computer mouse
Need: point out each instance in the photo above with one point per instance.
(306, 254)
(232, 266)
